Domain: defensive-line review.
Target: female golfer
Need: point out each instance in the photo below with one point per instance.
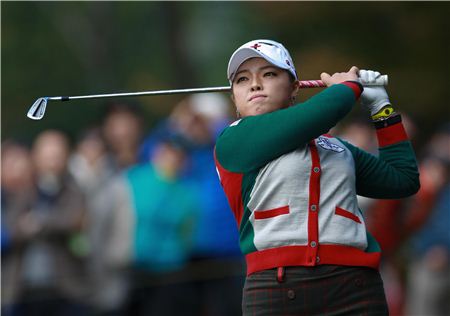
(293, 188)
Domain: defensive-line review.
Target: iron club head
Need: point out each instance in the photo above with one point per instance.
(37, 110)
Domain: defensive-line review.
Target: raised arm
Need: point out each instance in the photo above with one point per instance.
(254, 141)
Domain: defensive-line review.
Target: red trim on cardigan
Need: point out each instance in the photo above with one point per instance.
(272, 213)
(232, 185)
(313, 203)
(355, 87)
(391, 135)
(298, 256)
(347, 214)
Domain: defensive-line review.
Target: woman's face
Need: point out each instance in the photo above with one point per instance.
(260, 87)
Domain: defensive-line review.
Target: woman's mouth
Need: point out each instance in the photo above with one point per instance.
(257, 97)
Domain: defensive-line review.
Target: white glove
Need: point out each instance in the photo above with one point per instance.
(373, 98)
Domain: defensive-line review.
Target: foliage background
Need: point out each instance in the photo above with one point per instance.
(74, 48)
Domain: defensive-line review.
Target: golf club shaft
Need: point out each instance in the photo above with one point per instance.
(141, 93)
(303, 85)
(37, 110)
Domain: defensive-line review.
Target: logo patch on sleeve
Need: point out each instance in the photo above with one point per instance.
(326, 144)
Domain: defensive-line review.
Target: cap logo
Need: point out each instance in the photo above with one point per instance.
(255, 46)
(287, 62)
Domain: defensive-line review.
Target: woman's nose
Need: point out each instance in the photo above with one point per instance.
(256, 84)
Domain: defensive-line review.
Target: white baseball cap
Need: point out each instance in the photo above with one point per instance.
(274, 52)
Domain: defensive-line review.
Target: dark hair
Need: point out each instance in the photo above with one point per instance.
(291, 76)
(122, 107)
(178, 141)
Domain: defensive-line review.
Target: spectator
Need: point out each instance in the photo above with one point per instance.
(200, 118)
(109, 224)
(16, 191)
(91, 164)
(122, 129)
(429, 269)
(45, 230)
(101, 156)
(165, 209)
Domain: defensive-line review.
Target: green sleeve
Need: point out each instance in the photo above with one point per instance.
(256, 140)
(391, 175)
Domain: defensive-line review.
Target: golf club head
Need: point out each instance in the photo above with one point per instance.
(37, 110)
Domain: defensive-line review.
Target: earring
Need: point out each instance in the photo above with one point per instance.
(238, 115)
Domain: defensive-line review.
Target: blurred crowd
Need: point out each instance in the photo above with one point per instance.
(123, 222)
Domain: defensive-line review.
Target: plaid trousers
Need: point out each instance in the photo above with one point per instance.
(322, 290)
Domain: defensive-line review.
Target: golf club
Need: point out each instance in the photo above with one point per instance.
(37, 110)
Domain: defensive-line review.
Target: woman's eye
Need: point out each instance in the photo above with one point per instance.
(240, 79)
(270, 74)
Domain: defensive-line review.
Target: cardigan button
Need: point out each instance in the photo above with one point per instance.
(358, 282)
(316, 169)
(313, 244)
(313, 207)
(291, 294)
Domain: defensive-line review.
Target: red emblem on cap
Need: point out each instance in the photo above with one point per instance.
(255, 46)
